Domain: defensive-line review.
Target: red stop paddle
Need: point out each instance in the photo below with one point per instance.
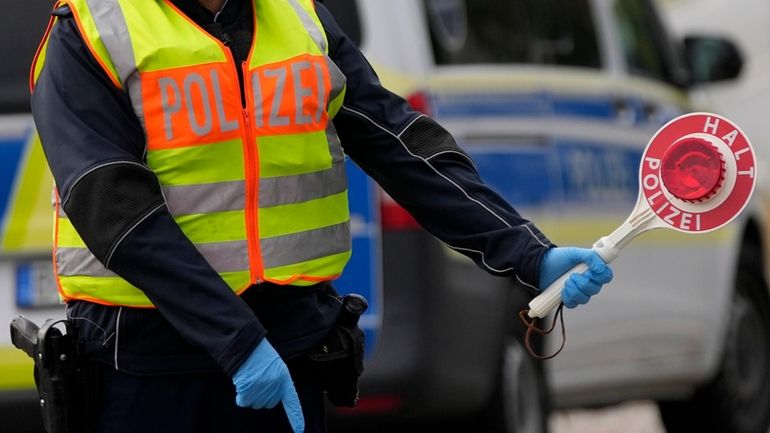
(697, 174)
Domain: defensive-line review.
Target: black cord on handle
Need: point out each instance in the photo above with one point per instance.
(531, 327)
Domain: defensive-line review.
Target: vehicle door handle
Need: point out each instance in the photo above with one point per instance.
(624, 111)
(651, 112)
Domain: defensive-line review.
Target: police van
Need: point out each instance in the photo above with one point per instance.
(25, 215)
(555, 101)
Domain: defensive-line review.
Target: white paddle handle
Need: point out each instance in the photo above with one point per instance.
(550, 298)
(607, 248)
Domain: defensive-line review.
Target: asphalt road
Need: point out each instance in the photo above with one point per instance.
(635, 417)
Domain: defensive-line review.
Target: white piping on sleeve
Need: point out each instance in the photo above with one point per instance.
(105, 338)
(123, 236)
(117, 336)
(484, 262)
(526, 226)
(427, 162)
(408, 125)
(483, 259)
(468, 158)
(526, 284)
(219, 12)
(66, 198)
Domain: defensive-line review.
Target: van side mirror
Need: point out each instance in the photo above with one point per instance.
(712, 59)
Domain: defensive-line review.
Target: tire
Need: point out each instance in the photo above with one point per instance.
(520, 402)
(737, 400)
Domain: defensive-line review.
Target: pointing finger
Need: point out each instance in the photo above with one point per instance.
(293, 409)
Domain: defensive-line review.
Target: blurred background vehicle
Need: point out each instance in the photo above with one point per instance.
(555, 101)
(26, 279)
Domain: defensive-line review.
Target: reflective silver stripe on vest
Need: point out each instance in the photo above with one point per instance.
(276, 191)
(338, 79)
(226, 256)
(79, 261)
(281, 190)
(305, 246)
(335, 146)
(222, 256)
(113, 29)
(134, 85)
(205, 198)
(313, 30)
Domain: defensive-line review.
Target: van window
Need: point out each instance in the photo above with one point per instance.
(22, 25)
(646, 47)
(346, 14)
(548, 32)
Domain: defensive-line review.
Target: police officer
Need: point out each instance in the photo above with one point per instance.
(197, 148)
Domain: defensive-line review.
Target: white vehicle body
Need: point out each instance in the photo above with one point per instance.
(659, 327)
(660, 330)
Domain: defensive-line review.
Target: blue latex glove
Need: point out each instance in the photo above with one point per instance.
(579, 287)
(263, 380)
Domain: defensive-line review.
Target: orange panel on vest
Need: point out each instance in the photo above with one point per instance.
(191, 106)
(290, 96)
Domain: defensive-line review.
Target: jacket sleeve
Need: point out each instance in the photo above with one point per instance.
(94, 145)
(418, 163)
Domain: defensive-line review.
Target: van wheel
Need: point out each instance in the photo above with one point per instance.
(520, 402)
(737, 400)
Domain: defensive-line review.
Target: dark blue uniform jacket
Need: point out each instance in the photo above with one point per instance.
(200, 325)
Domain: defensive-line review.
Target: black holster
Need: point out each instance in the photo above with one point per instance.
(340, 357)
(66, 383)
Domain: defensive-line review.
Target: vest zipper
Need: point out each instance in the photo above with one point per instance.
(251, 171)
(252, 200)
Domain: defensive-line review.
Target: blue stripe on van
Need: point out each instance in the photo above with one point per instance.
(592, 173)
(491, 104)
(561, 172)
(522, 175)
(599, 107)
(363, 274)
(533, 104)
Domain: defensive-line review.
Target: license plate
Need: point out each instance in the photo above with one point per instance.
(35, 285)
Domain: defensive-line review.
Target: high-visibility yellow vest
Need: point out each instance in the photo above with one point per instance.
(261, 191)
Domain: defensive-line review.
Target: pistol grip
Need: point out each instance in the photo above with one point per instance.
(24, 334)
